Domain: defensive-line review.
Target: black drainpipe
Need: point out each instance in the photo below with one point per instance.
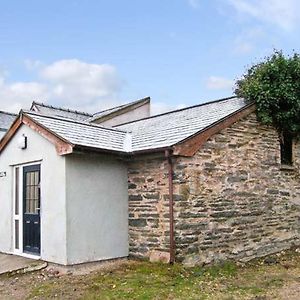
(171, 205)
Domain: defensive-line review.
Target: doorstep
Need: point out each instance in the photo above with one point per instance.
(12, 263)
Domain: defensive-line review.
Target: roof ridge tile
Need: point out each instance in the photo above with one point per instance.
(62, 108)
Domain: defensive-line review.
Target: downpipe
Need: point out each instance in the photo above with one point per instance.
(168, 156)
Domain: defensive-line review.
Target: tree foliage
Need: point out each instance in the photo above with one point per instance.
(274, 85)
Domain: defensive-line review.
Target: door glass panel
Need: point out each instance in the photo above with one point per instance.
(16, 234)
(36, 178)
(17, 179)
(32, 192)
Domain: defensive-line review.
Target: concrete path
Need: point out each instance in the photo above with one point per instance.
(9, 263)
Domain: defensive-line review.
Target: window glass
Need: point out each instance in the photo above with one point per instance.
(17, 182)
(16, 234)
(32, 192)
(286, 149)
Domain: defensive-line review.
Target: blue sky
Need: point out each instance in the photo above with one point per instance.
(94, 54)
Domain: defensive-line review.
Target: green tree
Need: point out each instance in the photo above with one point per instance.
(274, 85)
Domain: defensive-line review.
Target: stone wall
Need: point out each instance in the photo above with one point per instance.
(233, 200)
(148, 206)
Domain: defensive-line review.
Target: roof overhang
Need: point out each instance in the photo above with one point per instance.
(192, 144)
(62, 146)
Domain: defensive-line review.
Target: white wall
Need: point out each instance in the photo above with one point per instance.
(53, 205)
(132, 115)
(84, 202)
(97, 208)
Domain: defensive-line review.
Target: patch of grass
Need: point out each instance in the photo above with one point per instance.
(44, 290)
(143, 280)
(224, 269)
(253, 290)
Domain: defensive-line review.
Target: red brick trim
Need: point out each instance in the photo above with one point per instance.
(192, 144)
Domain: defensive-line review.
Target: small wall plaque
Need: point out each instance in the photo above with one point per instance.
(2, 174)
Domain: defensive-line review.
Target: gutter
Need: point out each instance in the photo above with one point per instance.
(168, 156)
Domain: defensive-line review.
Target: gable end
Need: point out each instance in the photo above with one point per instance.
(62, 146)
(191, 145)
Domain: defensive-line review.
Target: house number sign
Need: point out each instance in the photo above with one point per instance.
(2, 174)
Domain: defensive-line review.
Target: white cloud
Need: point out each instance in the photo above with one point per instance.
(19, 95)
(68, 83)
(219, 83)
(283, 13)
(76, 81)
(71, 83)
(194, 3)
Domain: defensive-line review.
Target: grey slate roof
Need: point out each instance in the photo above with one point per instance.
(170, 128)
(2, 133)
(155, 132)
(6, 120)
(82, 133)
(60, 112)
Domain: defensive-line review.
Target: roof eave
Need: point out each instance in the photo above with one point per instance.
(125, 154)
(81, 148)
(153, 150)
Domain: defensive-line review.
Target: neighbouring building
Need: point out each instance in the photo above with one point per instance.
(6, 119)
(195, 185)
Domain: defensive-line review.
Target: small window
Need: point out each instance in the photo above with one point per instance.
(286, 149)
